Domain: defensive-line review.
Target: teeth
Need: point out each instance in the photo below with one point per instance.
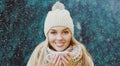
(60, 44)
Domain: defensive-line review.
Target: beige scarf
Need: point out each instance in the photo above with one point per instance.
(75, 52)
(41, 55)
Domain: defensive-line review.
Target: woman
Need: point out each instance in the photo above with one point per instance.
(60, 47)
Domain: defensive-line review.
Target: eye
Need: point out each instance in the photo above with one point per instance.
(53, 32)
(65, 32)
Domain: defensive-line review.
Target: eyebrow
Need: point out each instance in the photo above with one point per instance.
(55, 30)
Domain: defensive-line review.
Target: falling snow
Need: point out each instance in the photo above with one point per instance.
(97, 26)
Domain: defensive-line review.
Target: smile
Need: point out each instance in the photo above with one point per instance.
(59, 44)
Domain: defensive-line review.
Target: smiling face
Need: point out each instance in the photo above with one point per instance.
(59, 38)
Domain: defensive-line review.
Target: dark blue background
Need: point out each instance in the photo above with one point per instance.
(22, 21)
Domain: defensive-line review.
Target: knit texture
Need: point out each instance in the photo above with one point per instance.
(59, 16)
(41, 55)
(75, 52)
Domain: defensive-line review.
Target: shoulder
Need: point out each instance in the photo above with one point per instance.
(40, 46)
(35, 55)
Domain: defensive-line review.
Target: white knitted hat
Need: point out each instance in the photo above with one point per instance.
(59, 16)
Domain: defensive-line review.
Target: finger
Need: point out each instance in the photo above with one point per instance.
(68, 57)
(50, 64)
(64, 64)
(69, 54)
(54, 60)
(64, 60)
(58, 61)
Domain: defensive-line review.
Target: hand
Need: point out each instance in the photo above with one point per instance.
(56, 61)
(67, 59)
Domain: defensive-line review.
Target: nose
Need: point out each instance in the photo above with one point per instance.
(59, 37)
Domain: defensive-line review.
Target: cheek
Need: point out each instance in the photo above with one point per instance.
(51, 38)
(67, 38)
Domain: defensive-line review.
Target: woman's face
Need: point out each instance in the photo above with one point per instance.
(59, 38)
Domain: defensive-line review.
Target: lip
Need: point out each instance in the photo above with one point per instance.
(59, 44)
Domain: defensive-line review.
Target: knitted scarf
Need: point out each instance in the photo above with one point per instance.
(41, 56)
(74, 50)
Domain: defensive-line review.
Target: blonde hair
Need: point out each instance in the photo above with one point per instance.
(86, 57)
